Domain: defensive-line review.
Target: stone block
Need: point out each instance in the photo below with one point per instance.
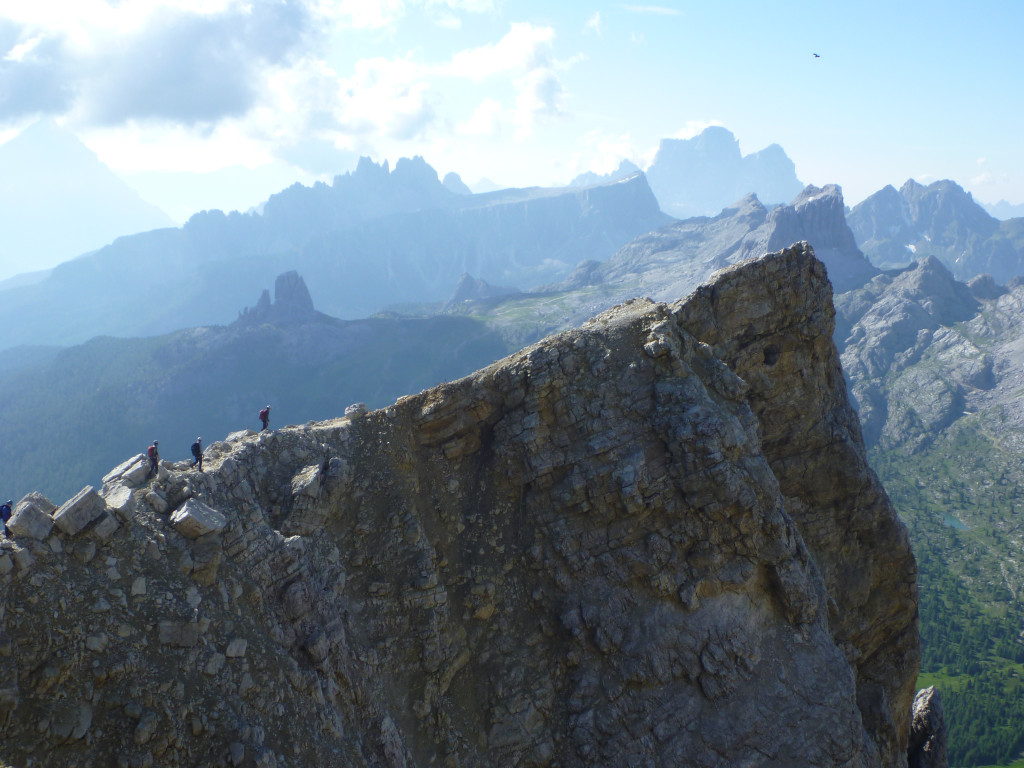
(105, 528)
(131, 472)
(79, 511)
(195, 519)
(31, 519)
(119, 498)
(157, 502)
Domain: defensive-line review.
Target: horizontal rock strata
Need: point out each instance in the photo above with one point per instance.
(652, 540)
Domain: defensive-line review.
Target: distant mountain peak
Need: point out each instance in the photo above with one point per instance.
(292, 303)
(58, 200)
(941, 219)
(702, 175)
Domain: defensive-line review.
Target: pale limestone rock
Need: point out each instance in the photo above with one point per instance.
(119, 498)
(79, 511)
(356, 410)
(32, 517)
(139, 585)
(131, 473)
(928, 738)
(194, 519)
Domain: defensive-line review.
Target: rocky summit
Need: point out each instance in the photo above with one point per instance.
(651, 540)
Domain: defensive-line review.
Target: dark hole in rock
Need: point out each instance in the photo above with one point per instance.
(771, 354)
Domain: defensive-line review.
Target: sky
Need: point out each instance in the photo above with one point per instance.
(218, 103)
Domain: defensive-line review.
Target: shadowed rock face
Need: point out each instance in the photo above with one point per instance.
(607, 549)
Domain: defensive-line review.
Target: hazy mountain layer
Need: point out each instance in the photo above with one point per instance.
(373, 238)
(69, 415)
(702, 175)
(942, 220)
(676, 258)
(57, 200)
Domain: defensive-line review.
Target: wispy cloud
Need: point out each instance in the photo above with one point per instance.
(594, 24)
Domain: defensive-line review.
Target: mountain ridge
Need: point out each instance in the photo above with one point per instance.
(611, 509)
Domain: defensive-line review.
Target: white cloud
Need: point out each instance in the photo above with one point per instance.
(485, 121)
(23, 49)
(389, 97)
(380, 14)
(594, 24)
(981, 179)
(693, 128)
(540, 94)
(601, 153)
(525, 47)
(448, 21)
(526, 54)
(364, 14)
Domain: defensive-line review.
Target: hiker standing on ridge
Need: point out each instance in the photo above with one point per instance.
(197, 453)
(265, 417)
(5, 513)
(153, 452)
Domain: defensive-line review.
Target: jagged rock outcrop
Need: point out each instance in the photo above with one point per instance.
(895, 321)
(471, 289)
(927, 748)
(942, 220)
(650, 540)
(292, 304)
(673, 260)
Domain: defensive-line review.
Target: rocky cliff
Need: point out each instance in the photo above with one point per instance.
(651, 540)
(941, 220)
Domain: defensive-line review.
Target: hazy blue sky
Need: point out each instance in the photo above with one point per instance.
(521, 92)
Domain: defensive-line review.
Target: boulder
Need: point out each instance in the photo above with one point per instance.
(132, 472)
(195, 519)
(356, 410)
(32, 517)
(80, 510)
(119, 498)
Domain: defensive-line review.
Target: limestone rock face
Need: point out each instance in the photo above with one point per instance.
(650, 540)
(927, 747)
(894, 322)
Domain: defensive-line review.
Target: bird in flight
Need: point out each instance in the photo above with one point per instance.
(817, 56)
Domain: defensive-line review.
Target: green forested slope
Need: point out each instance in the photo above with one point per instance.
(963, 501)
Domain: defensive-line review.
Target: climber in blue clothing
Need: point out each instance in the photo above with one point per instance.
(5, 513)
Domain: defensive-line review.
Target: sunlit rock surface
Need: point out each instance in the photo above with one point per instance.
(651, 540)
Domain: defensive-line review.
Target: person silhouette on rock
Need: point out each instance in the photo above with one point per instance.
(153, 453)
(265, 417)
(197, 453)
